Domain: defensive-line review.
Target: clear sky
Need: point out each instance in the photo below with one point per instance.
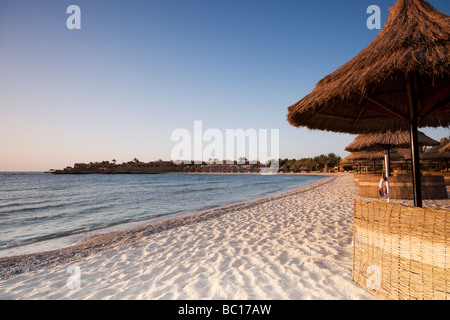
(138, 70)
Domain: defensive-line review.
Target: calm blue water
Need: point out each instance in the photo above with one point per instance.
(39, 206)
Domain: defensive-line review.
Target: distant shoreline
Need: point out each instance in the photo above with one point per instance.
(200, 173)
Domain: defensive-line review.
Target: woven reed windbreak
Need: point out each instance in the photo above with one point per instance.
(401, 186)
(401, 252)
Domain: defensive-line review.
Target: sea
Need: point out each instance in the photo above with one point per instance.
(36, 206)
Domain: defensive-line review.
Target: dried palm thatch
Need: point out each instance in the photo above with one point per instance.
(355, 158)
(405, 154)
(434, 154)
(348, 163)
(356, 164)
(364, 157)
(371, 93)
(387, 141)
(373, 155)
(445, 149)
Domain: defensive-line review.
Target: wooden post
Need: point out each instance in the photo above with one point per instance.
(387, 163)
(417, 185)
(414, 140)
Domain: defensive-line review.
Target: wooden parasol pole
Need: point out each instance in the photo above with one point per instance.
(414, 140)
(386, 162)
(417, 185)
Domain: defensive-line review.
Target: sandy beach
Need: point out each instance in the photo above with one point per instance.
(296, 245)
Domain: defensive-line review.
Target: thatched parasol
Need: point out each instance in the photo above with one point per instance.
(405, 157)
(445, 149)
(373, 156)
(435, 154)
(400, 81)
(348, 161)
(387, 141)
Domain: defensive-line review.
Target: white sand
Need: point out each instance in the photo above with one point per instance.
(293, 247)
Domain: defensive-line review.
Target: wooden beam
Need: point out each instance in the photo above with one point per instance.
(400, 90)
(438, 110)
(391, 110)
(443, 94)
(316, 113)
(375, 108)
(333, 117)
(359, 116)
(372, 119)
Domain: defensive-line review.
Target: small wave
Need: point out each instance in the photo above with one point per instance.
(49, 206)
(182, 191)
(209, 207)
(57, 235)
(17, 204)
(62, 234)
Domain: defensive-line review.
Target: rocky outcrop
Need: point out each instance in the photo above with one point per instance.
(106, 167)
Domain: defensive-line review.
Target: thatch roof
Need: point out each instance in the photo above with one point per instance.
(445, 149)
(373, 155)
(368, 157)
(387, 141)
(350, 161)
(434, 154)
(404, 153)
(371, 92)
(346, 163)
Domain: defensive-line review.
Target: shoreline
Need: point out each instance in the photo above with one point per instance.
(176, 172)
(293, 246)
(35, 256)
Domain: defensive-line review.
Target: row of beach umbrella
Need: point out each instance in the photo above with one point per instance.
(369, 147)
(389, 146)
(399, 82)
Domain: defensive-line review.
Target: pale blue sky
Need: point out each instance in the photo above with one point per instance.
(138, 70)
